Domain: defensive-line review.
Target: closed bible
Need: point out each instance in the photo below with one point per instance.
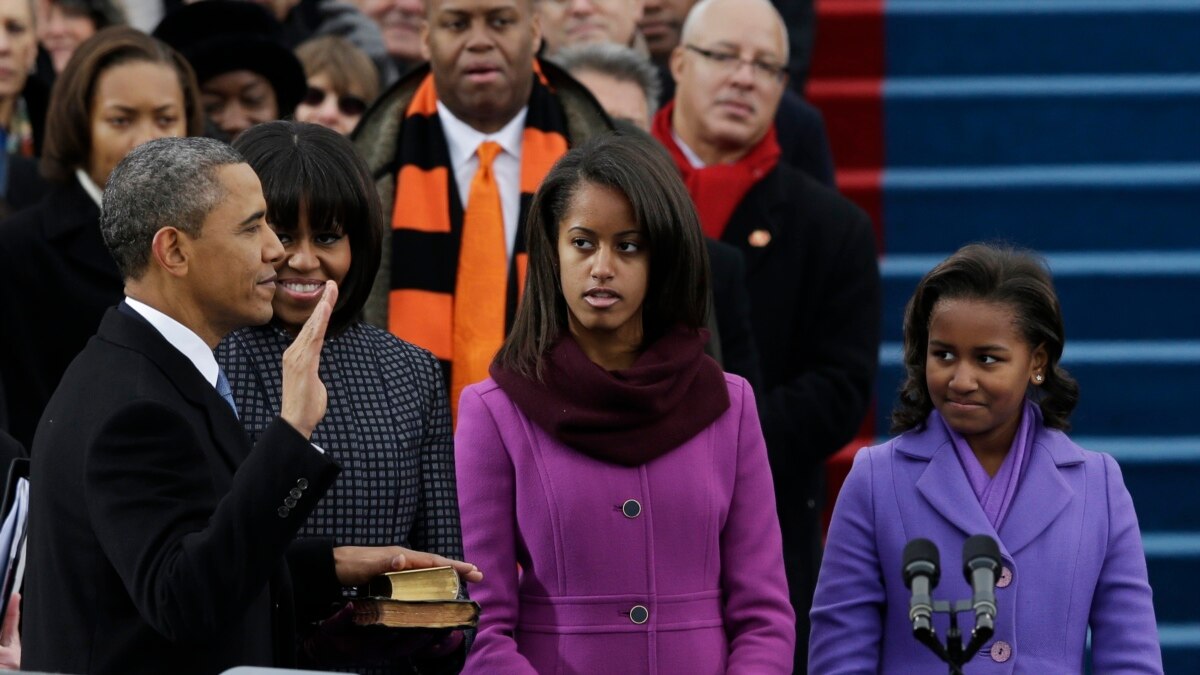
(441, 614)
(424, 598)
(433, 583)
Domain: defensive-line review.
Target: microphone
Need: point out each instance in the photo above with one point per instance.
(921, 576)
(981, 565)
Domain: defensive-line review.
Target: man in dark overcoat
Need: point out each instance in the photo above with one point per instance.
(810, 260)
(160, 541)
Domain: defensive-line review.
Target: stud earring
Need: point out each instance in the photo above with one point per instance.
(1038, 378)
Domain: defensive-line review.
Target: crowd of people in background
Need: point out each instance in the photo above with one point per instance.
(563, 288)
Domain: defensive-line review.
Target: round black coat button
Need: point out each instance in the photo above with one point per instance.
(283, 512)
(631, 508)
(302, 483)
(290, 503)
(639, 614)
(295, 493)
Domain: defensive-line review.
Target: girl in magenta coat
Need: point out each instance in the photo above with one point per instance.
(613, 482)
(983, 451)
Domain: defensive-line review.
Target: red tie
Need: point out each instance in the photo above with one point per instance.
(482, 285)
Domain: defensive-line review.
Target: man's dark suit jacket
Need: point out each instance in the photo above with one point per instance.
(157, 535)
(730, 316)
(815, 308)
(10, 449)
(59, 278)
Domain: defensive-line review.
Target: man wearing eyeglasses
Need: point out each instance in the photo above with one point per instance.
(810, 259)
(799, 125)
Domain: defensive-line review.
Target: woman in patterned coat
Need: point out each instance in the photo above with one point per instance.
(388, 423)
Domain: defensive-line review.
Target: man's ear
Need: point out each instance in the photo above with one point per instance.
(676, 61)
(535, 24)
(425, 51)
(171, 250)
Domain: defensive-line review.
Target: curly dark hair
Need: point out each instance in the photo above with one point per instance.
(991, 273)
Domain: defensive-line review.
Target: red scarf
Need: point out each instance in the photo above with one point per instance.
(717, 190)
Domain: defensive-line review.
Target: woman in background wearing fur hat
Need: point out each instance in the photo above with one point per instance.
(246, 72)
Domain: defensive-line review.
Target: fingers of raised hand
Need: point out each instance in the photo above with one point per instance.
(313, 330)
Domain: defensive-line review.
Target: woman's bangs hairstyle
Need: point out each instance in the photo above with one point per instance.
(306, 168)
(632, 163)
(68, 142)
(996, 274)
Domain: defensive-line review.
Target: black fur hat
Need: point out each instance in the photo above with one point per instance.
(221, 36)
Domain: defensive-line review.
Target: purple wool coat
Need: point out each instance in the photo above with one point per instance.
(674, 566)
(1071, 554)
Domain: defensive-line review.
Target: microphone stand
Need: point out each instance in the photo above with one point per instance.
(953, 653)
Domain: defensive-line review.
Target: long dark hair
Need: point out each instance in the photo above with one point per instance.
(633, 164)
(308, 167)
(998, 274)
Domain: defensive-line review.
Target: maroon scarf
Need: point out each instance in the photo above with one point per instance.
(718, 189)
(629, 417)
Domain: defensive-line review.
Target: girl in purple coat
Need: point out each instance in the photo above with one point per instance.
(612, 480)
(982, 450)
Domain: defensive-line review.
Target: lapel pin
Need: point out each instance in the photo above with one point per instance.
(759, 238)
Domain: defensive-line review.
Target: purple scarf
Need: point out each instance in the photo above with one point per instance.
(995, 493)
(671, 393)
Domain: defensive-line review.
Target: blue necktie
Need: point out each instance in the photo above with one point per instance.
(226, 392)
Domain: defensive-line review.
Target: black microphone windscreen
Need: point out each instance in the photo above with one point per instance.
(921, 551)
(977, 550)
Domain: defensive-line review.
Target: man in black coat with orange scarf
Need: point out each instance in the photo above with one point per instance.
(810, 259)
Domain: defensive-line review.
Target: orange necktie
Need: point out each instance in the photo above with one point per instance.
(482, 284)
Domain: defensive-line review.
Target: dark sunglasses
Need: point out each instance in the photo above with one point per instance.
(347, 104)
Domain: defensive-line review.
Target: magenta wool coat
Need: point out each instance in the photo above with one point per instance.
(1071, 554)
(674, 566)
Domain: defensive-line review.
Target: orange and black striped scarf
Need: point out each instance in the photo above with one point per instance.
(427, 217)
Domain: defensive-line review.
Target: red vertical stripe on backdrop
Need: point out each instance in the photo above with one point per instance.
(865, 188)
(849, 39)
(846, 83)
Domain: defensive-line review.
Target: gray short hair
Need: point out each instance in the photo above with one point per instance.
(166, 182)
(618, 62)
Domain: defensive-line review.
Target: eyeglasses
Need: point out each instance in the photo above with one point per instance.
(729, 63)
(347, 104)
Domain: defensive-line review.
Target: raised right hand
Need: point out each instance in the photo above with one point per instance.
(304, 396)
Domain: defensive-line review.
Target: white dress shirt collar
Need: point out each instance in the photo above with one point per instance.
(89, 186)
(187, 342)
(462, 142)
(181, 337)
(690, 154)
(463, 139)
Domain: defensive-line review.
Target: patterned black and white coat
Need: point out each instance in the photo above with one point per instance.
(387, 424)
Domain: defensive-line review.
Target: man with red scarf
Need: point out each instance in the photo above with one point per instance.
(810, 260)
